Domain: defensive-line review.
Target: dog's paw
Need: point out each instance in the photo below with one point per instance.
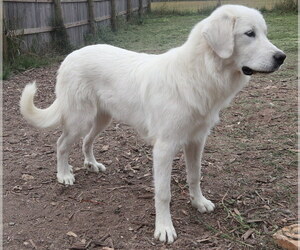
(165, 233)
(203, 205)
(67, 179)
(94, 167)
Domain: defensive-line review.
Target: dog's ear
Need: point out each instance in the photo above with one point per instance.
(219, 35)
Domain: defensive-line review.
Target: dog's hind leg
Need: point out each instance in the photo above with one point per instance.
(101, 121)
(193, 153)
(74, 126)
(64, 144)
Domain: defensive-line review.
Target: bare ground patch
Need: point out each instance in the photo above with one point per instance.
(249, 171)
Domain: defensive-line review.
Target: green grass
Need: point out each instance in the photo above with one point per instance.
(25, 62)
(282, 31)
(157, 33)
(6, 72)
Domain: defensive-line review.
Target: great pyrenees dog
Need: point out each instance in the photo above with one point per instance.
(172, 99)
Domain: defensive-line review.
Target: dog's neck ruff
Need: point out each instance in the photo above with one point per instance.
(214, 88)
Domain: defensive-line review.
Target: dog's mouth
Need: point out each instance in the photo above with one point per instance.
(248, 71)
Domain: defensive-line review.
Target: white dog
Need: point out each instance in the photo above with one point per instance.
(172, 99)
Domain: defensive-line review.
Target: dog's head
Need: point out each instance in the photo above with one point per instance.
(240, 34)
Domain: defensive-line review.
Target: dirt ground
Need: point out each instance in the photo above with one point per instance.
(249, 172)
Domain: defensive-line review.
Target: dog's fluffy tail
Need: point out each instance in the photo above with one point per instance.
(40, 118)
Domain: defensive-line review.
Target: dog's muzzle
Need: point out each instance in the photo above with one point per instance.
(278, 57)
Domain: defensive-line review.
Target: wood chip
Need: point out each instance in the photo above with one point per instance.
(184, 212)
(203, 240)
(236, 211)
(246, 235)
(254, 220)
(32, 243)
(78, 246)
(146, 196)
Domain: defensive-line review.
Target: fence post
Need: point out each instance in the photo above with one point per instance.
(60, 32)
(140, 9)
(129, 10)
(91, 17)
(113, 18)
(4, 47)
(149, 6)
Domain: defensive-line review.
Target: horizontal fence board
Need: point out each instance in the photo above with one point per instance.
(28, 1)
(31, 31)
(99, 19)
(49, 1)
(76, 24)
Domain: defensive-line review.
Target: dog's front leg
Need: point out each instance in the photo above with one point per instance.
(193, 153)
(163, 154)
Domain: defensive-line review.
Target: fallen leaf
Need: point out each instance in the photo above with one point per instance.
(104, 148)
(129, 168)
(27, 177)
(72, 234)
(288, 237)
(25, 243)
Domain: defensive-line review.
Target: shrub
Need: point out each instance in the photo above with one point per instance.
(286, 6)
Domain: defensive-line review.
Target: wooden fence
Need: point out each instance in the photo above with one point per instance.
(35, 21)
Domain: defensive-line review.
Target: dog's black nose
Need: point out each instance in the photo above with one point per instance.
(279, 58)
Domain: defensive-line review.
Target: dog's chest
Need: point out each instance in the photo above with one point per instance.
(201, 125)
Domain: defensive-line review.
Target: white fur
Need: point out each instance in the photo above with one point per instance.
(41, 118)
(172, 99)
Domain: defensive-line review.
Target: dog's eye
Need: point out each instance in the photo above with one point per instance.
(250, 33)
